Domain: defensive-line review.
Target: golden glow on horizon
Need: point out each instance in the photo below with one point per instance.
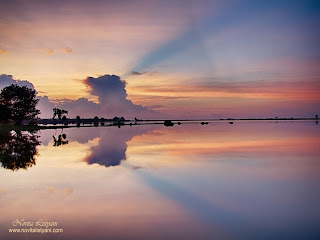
(194, 91)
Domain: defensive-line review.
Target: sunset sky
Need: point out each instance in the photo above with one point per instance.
(150, 59)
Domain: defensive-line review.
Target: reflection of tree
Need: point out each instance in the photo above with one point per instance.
(18, 149)
(60, 140)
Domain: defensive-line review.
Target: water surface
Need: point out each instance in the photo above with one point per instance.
(249, 180)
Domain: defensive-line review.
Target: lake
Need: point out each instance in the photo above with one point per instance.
(247, 180)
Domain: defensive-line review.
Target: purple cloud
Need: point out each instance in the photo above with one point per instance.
(6, 80)
(112, 95)
(82, 107)
(45, 105)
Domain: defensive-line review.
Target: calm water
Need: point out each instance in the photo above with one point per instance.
(249, 180)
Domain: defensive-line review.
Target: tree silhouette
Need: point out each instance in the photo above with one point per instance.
(115, 119)
(96, 121)
(18, 149)
(102, 121)
(78, 121)
(18, 104)
(5, 112)
(59, 112)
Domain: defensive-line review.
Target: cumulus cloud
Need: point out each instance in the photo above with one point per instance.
(112, 95)
(3, 51)
(82, 107)
(6, 80)
(45, 106)
(107, 87)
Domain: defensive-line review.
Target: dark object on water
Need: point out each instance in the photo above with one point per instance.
(231, 122)
(179, 123)
(203, 123)
(168, 123)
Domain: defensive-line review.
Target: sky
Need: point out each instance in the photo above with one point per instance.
(165, 59)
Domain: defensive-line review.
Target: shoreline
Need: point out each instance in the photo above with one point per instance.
(62, 125)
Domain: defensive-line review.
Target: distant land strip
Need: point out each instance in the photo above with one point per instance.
(42, 124)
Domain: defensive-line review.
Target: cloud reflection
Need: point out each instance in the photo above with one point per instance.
(113, 145)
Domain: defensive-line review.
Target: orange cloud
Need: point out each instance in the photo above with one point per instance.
(67, 50)
(49, 51)
(258, 89)
(3, 51)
